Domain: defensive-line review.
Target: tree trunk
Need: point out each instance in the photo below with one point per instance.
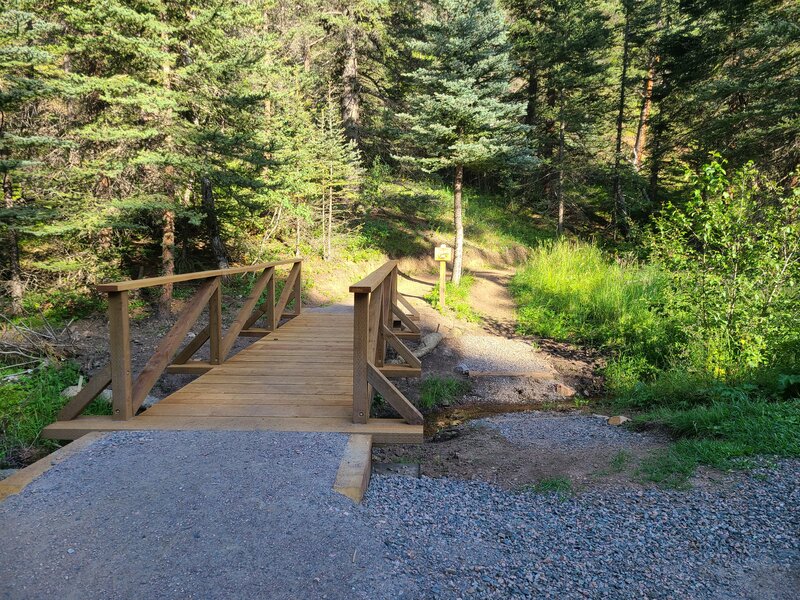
(531, 114)
(644, 117)
(458, 252)
(212, 223)
(297, 236)
(560, 178)
(330, 217)
(656, 144)
(620, 215)
(167, 262)
(351, 94)
(549, 177)
(533, 95)
(15, 288)
(324, 205)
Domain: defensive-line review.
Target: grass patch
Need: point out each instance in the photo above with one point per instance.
(569, 291)
(456, 299)
(441, 391)
(553, 485)
(619, 462)
(31, 403)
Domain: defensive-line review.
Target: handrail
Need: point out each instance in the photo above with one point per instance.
(129, 392)
(136, 284)
(374, 279)
(375, 308)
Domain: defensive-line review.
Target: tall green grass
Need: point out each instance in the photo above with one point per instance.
(571, 291)
(29, 404)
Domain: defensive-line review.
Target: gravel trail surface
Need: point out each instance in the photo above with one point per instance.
(474, 540)
(545, 430)
(193, 515)
(495, 353)
(252, 515)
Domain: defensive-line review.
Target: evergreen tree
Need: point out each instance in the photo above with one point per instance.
(562, 47)
(28, 77)
(460, 114)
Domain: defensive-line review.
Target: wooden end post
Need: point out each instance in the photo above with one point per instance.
(269, 305)
(298, 287)
(215, 324)
(119, 333)
(361, 396)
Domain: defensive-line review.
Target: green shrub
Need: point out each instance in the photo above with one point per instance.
(562, 486)
(706, 338)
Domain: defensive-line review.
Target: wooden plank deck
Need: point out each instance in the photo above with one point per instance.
(297, 378)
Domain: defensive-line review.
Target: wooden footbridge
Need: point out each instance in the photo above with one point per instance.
(308, 371)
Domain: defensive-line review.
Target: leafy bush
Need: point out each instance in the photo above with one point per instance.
(733, 255)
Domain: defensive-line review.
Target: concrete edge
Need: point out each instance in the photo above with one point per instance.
(21, 479)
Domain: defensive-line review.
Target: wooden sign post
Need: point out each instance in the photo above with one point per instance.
(442, 254)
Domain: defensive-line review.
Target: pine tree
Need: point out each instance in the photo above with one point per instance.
(28, 77)
(460, 114)
(562, 47)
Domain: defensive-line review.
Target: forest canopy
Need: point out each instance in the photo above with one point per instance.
(142, 138)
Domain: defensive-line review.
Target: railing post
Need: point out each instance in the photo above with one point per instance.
(361, 395)
(215, 324)
(269, 312)
(120, 347)
(298, 287)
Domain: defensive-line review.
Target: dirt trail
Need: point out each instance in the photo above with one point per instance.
(490, 297)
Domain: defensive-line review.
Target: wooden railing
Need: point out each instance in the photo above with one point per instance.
(128, 393)
(381, 321)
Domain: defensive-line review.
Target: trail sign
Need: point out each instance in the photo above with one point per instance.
(442, 252)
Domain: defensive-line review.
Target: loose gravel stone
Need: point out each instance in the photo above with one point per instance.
(473, 540)
(546, 430)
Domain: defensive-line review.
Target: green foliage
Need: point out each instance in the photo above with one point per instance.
(460, 112)
(570, 291)
(30, 403)
(705, 339)
(441, 391)
(732, 251)
(59, 306)
(456, 298)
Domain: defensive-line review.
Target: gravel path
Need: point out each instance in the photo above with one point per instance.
(252, 515)
(495, 353)
(473, 540)
(546, 430)
(193, 515)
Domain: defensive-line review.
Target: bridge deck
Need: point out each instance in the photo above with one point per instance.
(297, 378)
